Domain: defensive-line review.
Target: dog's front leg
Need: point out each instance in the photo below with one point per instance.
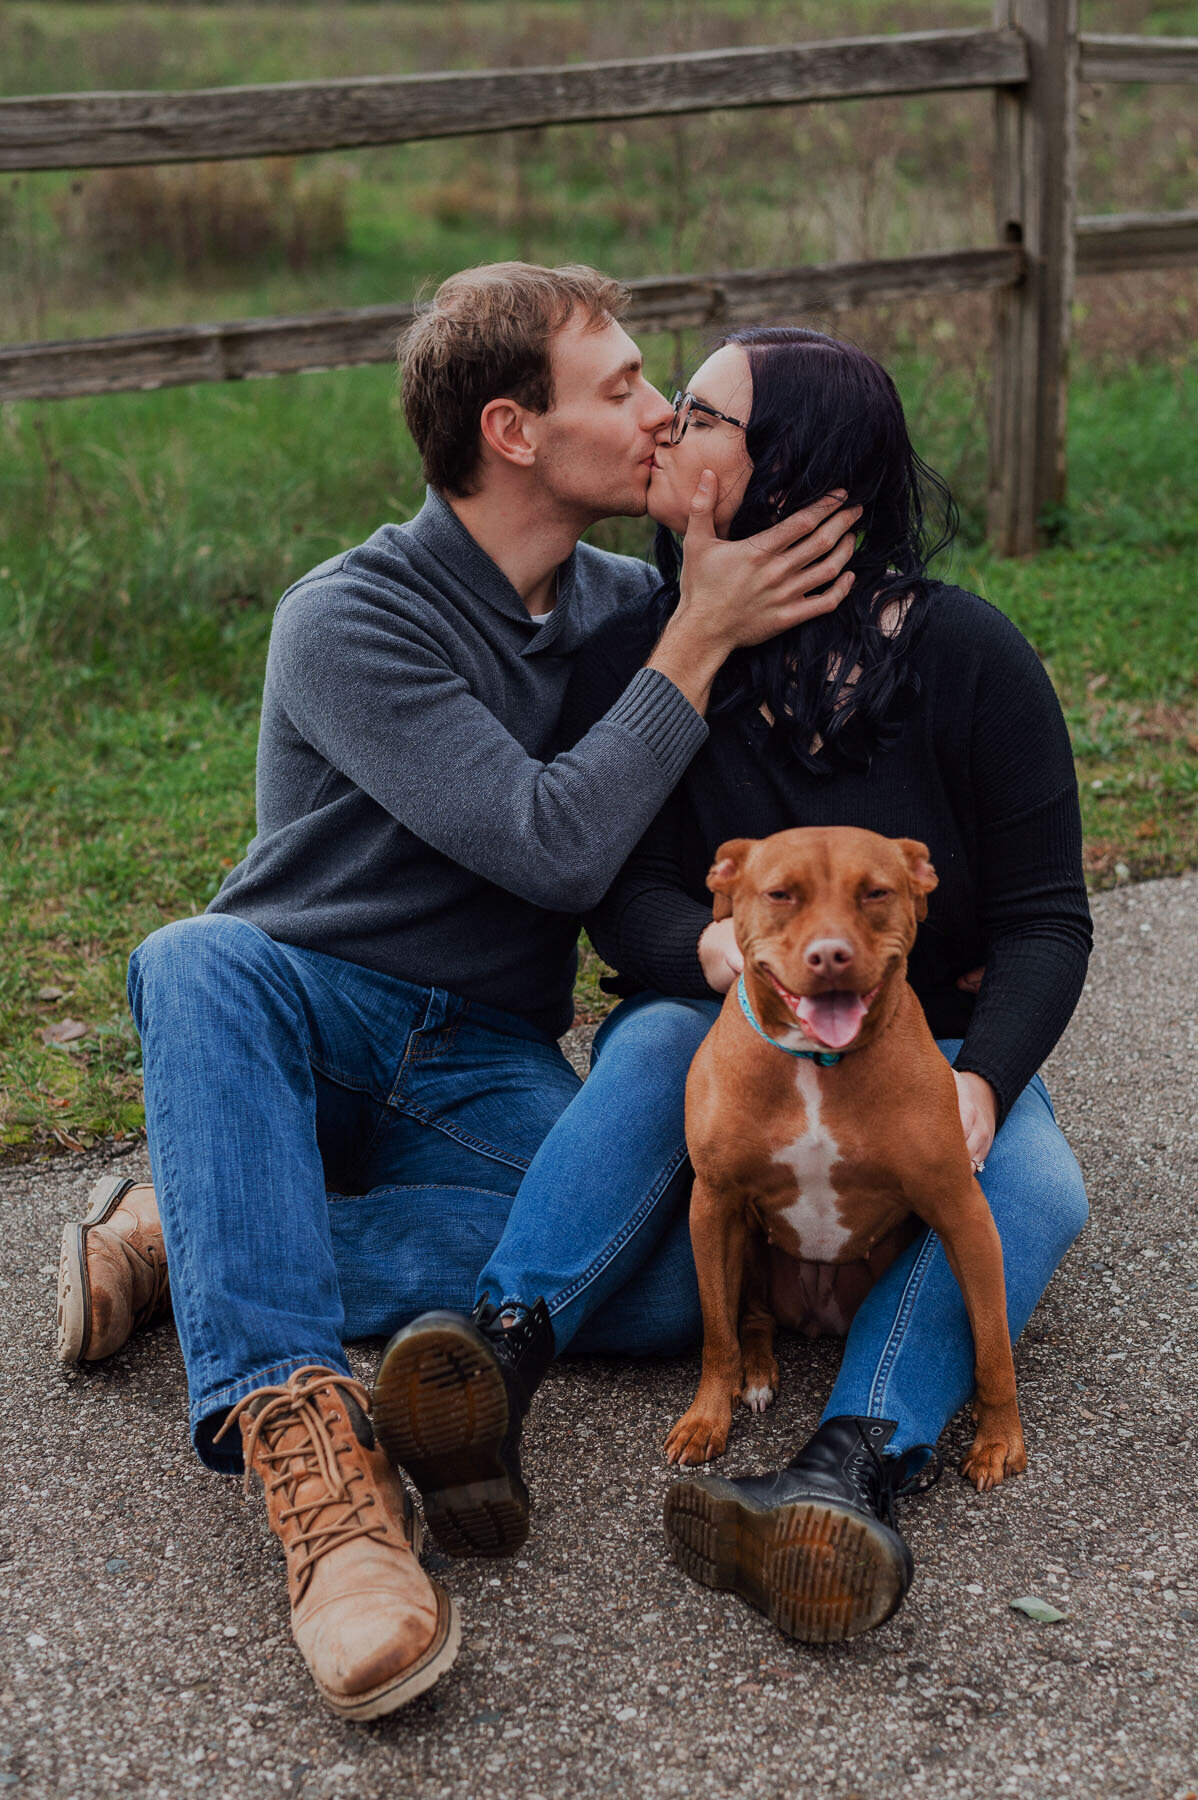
(757, 1328)
(974, 1253)
(718, 1233)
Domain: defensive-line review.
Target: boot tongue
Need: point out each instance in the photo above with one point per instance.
(833, 1019)
(363, 1429)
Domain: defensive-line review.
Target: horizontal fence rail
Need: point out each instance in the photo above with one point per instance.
(1113, 242)
(243, 349)
(1138, 58)
(184, 354)
(75, 131)
(1031, 61)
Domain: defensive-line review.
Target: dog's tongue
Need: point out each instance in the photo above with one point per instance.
(835, 1019)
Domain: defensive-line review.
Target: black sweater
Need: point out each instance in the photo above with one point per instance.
(982, 772)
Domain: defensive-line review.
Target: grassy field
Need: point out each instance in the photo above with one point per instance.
(145, 538)
(120, 249)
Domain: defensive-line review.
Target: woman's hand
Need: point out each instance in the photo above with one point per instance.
(979, 1113)
(719, 957)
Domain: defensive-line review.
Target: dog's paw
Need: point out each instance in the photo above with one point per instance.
(759, 1380)
(993, 1456)
(696, 1438)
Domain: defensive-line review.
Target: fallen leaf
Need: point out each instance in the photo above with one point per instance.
(1035, 1608)
(64, 1031)
(50, 993)
(1098, 856)
(65, 1139)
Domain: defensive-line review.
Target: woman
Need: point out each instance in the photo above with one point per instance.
(913, 709)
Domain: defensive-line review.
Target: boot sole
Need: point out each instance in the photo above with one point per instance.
(440, 1411)
(389, 1696)
(74, 1289)
(819, 1572)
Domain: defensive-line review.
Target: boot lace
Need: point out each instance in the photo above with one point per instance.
(898, 1479)
(331, 1516)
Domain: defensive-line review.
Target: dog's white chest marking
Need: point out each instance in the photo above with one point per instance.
(813, 1215)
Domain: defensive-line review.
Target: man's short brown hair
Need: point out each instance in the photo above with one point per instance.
(486, 336)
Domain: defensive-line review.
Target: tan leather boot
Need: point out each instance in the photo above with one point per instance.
(112, 1276)
(373, 1629)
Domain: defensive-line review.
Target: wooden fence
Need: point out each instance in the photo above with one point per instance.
(1033, 60)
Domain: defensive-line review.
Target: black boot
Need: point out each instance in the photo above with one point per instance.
(814, 1547)
(449, 1401)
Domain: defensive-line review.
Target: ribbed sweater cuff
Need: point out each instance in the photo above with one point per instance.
(662, 718)
(665, 943)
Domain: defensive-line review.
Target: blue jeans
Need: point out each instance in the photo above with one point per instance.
(334, 1151)
(909, 1352)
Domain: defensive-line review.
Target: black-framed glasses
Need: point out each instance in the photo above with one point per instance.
(686, 404)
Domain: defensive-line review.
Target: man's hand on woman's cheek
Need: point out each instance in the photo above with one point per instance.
(753, 588)
(735, 594)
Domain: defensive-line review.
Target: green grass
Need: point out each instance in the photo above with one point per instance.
(148, 537)
(775, 186)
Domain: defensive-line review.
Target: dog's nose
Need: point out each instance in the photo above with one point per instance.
(828, 956)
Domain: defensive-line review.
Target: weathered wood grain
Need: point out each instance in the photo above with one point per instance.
(1106, 58)
(1111, 243)
(1035, 201)
(246, 348)
(75, 131)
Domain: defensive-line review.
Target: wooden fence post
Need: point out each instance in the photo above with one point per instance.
(1035, 192)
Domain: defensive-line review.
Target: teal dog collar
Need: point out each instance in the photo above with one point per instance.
(825, 1058)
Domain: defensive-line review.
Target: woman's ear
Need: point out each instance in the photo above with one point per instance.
(725, 872)
(503, 426)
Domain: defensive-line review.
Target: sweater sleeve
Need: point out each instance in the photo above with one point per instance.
(1033, 911)
(419, 742)
(647, 925)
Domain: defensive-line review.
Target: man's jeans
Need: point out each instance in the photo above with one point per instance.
(335, 1151)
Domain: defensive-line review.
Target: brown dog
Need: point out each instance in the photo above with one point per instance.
(820, 1115)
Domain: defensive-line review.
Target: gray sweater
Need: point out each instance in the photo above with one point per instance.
(414, 815)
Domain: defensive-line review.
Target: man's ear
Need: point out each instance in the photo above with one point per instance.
(502, 425)
(922, 875)
(724, 874)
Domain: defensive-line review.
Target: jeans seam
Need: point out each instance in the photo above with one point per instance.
(902, 1318)
(616, 1244)
(335, 1197)
(422, 1115)
(340, 1079)
(199, 1325)
(431, 1008)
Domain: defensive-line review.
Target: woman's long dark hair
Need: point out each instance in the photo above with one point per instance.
(824, 416)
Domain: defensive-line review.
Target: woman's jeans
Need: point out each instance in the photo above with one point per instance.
(335, 1151)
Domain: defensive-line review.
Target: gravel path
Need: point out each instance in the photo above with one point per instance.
(144, 1635)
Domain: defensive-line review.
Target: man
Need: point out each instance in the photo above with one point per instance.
(350, 1059)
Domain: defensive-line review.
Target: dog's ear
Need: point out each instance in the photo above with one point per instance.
(724, 874)
(922, 875)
